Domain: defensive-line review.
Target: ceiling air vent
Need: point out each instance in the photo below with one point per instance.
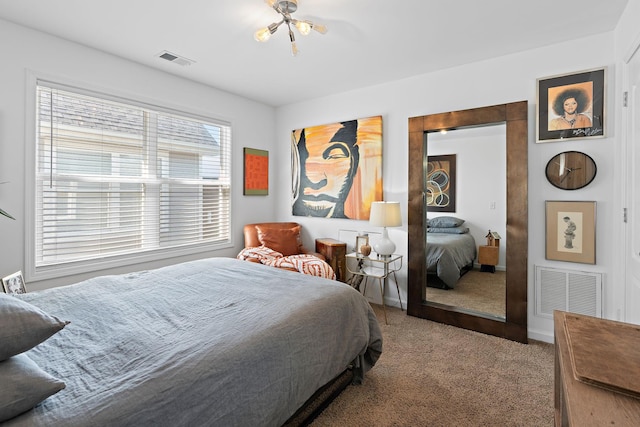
(176, 59)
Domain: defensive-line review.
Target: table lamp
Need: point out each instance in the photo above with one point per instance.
(385, 214)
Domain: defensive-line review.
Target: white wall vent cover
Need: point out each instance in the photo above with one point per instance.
(567, 290)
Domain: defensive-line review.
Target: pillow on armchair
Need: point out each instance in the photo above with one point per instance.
(287, 241)
(280, 236)
(262, 240)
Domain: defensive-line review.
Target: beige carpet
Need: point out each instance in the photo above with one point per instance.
(432, 374)
(476, 290)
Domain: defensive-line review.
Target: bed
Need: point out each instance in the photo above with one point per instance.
(210, 342)
(451, 251)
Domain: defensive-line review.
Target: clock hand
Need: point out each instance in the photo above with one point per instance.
(558, 163)
(566, 175)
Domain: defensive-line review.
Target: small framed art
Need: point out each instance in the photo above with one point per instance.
(571, 106)
(256, 172)
(571, 231)
(362, 245)
(14, 283)
(441, 183)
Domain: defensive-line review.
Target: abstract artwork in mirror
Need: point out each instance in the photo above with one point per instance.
(441, 183)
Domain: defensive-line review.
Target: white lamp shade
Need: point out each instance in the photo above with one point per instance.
(385, 214)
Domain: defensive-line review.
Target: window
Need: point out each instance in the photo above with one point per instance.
(116, 179)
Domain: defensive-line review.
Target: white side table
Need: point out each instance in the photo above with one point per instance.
(376, 267)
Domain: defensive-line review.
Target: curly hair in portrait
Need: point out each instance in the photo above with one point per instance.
(580, 95)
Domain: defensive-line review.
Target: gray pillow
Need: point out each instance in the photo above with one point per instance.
(445, 222)
(24, 385)
(23, 326)
(448, 230)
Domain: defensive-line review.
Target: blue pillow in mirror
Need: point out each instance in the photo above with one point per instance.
(445, 222)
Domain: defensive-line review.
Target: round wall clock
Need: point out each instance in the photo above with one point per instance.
(571, 170)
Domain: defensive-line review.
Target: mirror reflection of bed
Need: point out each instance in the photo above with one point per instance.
(455, 276)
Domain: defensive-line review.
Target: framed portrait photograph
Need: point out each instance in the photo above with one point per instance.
(571, 106)
(571, 231)
(441, 183)
(14, 283)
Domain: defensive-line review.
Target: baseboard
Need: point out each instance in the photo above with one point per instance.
(540, 336)
(390, 302)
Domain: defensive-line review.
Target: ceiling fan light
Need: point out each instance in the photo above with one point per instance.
(322, 29)
(303, 26)
(285, 8)
(262, 35)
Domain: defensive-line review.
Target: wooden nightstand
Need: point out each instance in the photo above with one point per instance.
(488, 258)
(489, 254)
(334, 251)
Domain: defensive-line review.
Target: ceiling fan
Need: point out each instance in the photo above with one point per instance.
(286, 8)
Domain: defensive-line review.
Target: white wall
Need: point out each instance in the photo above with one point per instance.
(26, 50)
(506, 79)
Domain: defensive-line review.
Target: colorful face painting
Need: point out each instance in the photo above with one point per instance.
(337, 169)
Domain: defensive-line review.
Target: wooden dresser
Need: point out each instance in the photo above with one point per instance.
(597, 371)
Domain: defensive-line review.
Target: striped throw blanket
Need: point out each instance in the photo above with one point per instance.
(304, 263)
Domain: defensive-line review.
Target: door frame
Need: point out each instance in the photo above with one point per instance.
(626, 161)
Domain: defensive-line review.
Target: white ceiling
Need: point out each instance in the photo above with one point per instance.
(368, 42)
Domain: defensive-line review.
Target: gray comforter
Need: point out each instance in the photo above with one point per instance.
(447, 254)
(215, 342)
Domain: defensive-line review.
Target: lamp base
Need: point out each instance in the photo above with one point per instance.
(384, 246)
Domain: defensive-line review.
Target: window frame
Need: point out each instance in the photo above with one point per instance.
(35, 273)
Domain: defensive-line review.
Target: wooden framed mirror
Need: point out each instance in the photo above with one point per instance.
(513, 325)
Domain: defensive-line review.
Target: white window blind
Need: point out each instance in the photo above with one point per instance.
(116, 177)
